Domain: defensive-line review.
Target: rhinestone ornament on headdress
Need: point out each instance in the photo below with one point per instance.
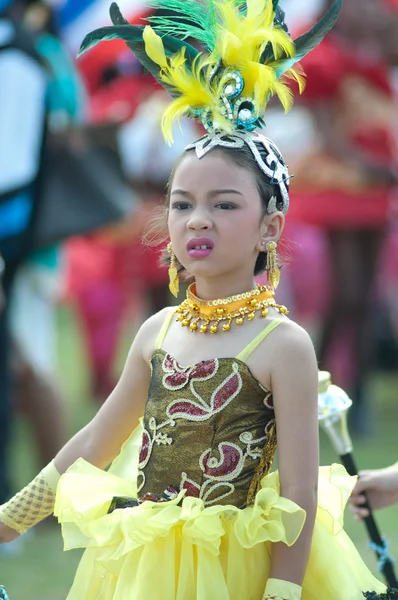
(273, 166)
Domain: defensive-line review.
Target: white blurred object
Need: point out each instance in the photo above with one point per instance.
(33, 315)
(301, 13)
(294, 133)
(97, 15)
(144, 153)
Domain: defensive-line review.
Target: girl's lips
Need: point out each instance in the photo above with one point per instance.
(200, 247)
(200, 253)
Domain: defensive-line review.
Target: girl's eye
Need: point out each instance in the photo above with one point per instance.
(180, 205)
(226, 206)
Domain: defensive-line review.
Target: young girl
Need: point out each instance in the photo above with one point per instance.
(189, 509)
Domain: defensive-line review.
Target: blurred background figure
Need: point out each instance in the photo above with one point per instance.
(37, 389)
(56, 181)
(23, 117)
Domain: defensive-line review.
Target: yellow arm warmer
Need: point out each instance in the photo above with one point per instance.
(32, 504)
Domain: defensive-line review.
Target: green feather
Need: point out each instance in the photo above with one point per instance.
(116, 16)
(187, 19)
(132, 35)
(307, 42)
(280, 18)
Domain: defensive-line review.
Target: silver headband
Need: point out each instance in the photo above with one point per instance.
(273, 166)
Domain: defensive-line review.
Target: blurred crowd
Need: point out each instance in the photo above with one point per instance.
(83, 166)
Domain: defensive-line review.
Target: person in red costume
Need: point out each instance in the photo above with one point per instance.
(347, 185)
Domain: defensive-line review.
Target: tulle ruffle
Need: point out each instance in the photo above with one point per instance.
(85, 493)
(182, 550)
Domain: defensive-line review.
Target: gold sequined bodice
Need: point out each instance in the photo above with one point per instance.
(208, 429)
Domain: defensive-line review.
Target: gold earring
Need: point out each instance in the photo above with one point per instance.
(273, 271)
(174, 282)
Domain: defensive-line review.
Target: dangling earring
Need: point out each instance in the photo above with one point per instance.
(273, 271)
(174, 282)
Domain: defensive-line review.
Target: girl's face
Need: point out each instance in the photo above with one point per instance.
(216, 219)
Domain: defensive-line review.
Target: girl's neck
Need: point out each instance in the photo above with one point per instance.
(211, 289)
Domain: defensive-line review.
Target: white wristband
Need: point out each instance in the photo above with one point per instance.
(277, 589)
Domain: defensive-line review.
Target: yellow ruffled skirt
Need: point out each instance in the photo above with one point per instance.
(181, 550)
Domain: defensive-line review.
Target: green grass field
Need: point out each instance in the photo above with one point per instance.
(43, 571)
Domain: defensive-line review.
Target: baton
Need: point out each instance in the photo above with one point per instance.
(333, 405)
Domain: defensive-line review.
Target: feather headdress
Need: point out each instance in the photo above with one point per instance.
(247, 57)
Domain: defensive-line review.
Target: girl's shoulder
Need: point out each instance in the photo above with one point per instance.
(151, 329)
(156, 321)
(290, 335)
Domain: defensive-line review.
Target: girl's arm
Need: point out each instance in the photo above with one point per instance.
(98, 443)
(294, 381)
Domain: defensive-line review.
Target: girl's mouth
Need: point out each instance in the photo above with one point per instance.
(200, 247)
(201, 252)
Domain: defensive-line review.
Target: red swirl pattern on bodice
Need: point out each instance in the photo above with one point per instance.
(206, 427)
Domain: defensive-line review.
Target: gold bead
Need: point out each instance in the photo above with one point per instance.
(220, 311)
(253, 302)
(239, 321)
(193, 326)
(203, 328)
(264, 313)
(194, 307)
(226, 327)
(214, 329)
(180, 318)
(186, 322)
(251, 316)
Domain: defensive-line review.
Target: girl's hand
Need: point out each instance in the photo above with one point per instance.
(381, 487)
(7, 534)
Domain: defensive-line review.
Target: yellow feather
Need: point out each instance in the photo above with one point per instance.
(231, 50)
(154, 47)
(264, 87)
(284, 94)
(255, 8)
(243, 38)
(259, 82)
(173, 112)
(230, 16)
(281, 42)
(298, 74)
(268, 17)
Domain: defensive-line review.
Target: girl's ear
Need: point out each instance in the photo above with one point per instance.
(271, 229)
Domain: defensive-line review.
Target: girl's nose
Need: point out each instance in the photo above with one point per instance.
(199, 220)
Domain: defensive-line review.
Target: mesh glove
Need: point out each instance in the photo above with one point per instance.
(32, 504)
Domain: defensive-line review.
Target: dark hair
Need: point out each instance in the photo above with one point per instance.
(242, 157)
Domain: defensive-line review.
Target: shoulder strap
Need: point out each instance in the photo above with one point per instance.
(164, 329)
(246, 352)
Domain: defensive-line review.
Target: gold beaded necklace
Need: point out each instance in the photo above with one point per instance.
(201, 315)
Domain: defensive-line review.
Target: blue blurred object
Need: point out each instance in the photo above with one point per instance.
(4, 4)
(3, 594)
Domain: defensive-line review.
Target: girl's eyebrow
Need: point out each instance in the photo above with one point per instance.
(211, 193)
